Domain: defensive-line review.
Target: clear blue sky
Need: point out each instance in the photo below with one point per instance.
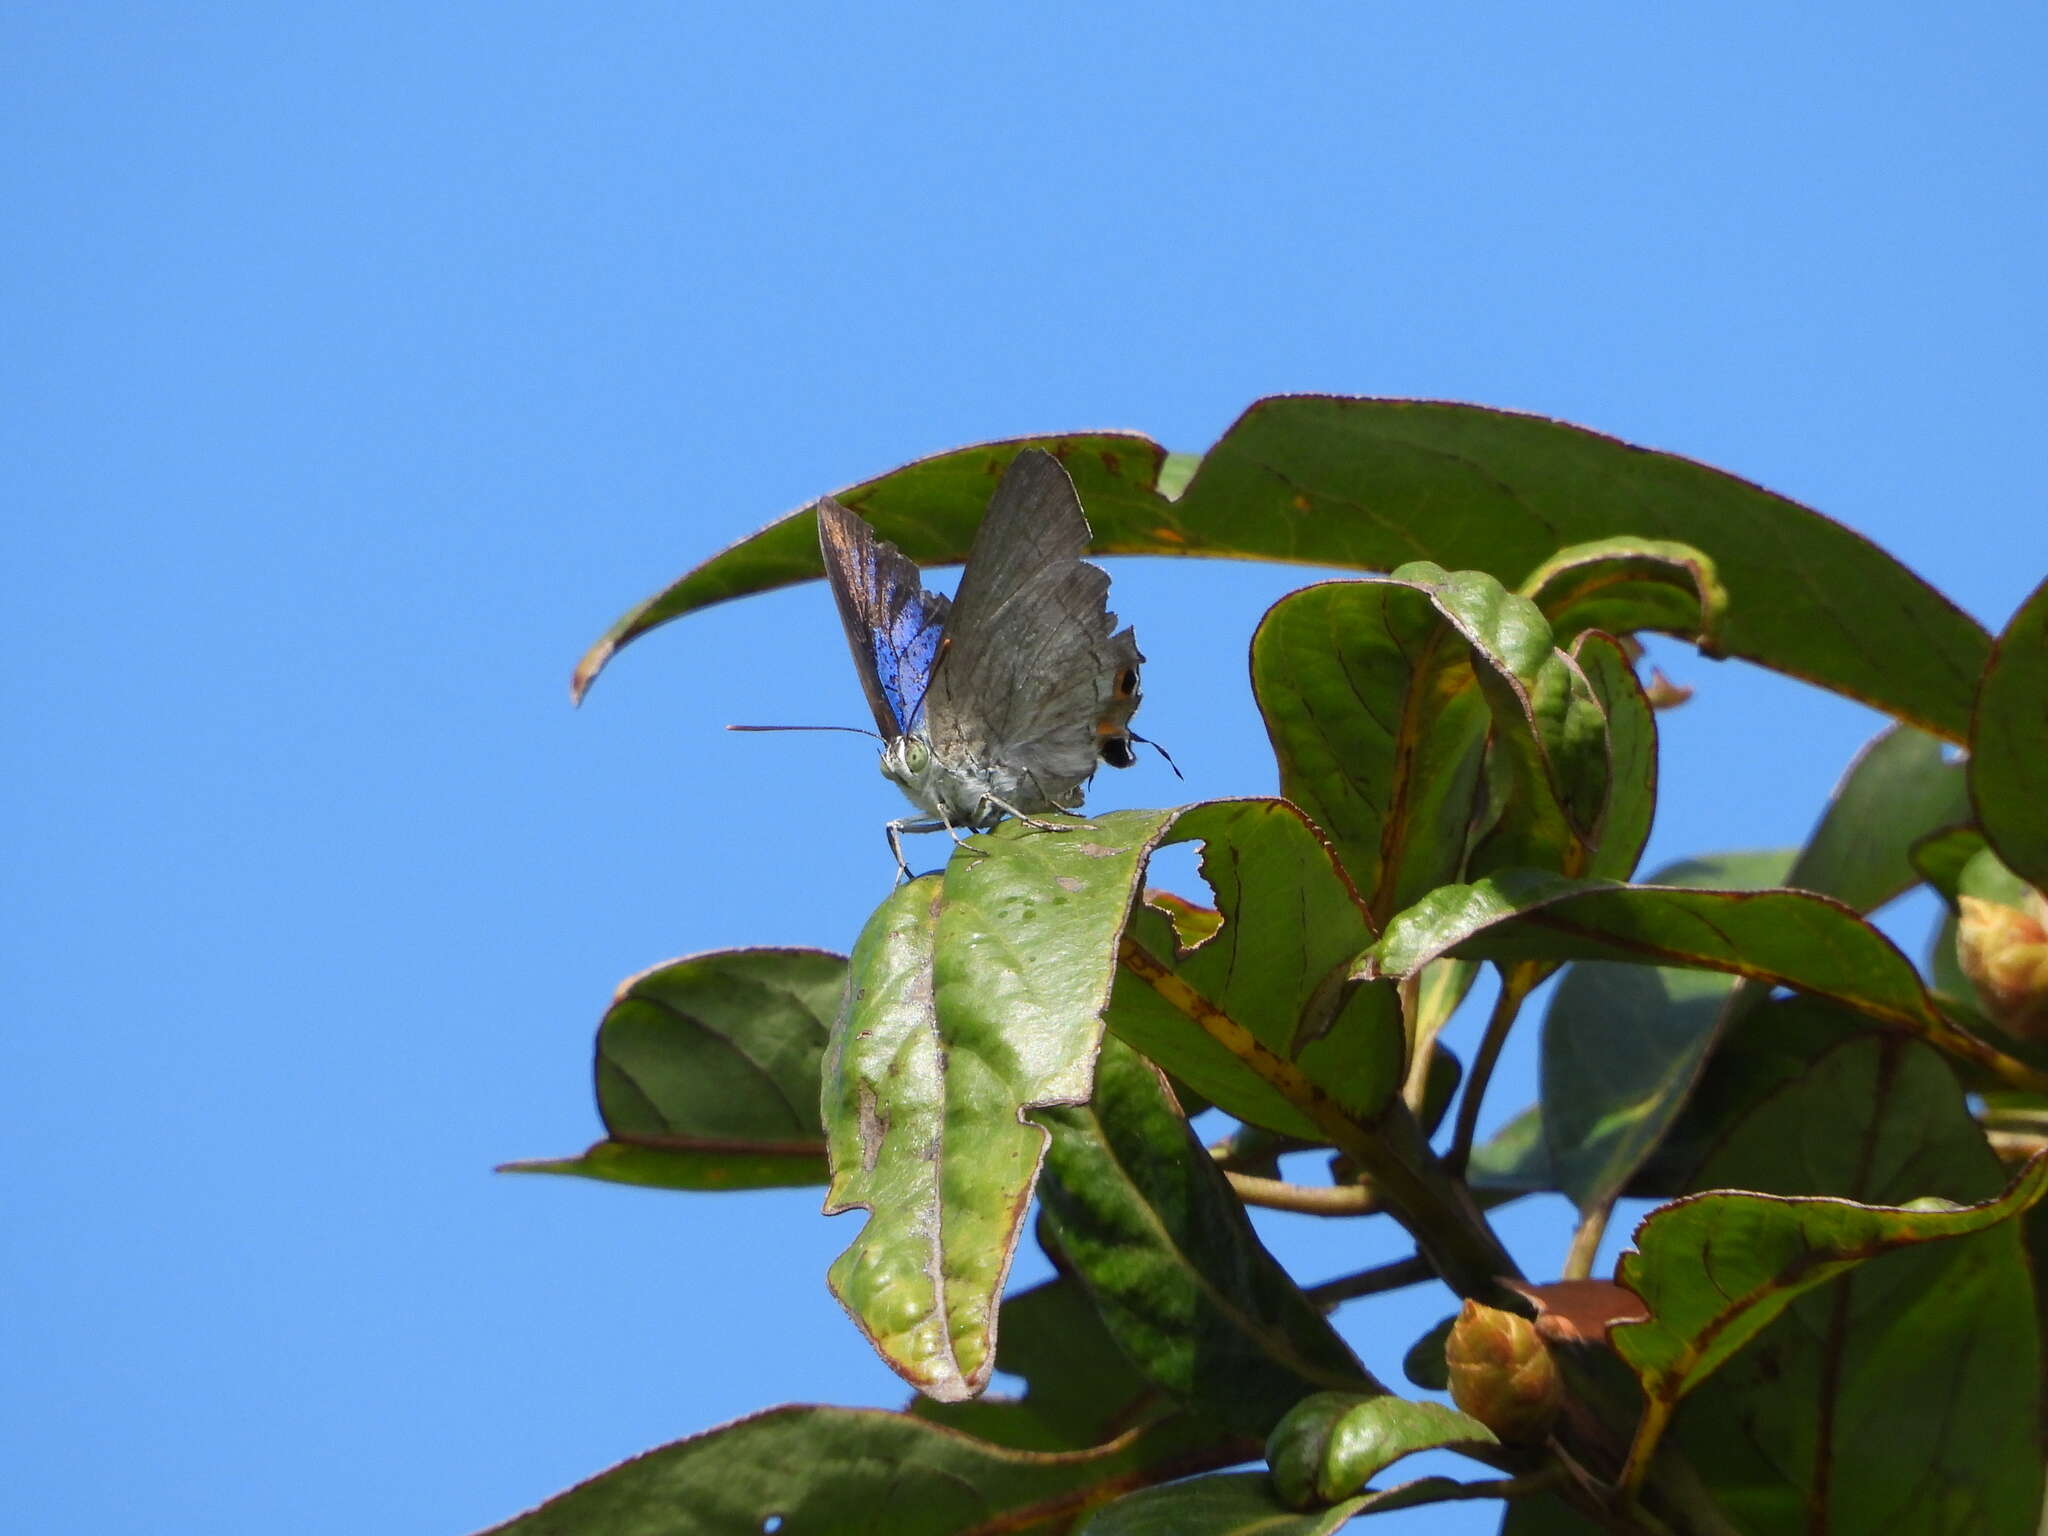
(362, 362)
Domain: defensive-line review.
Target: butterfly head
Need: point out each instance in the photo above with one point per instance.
(907, 762)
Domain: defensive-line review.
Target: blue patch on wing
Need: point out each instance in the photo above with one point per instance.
(906, 651)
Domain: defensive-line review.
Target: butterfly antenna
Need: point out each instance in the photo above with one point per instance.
(1148, 741)
(853, 729)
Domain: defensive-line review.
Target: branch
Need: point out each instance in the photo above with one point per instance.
(1305, 1199)
(1412, 1270)
(1516, 982)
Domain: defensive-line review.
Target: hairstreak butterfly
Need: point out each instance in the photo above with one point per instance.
(1002, 700)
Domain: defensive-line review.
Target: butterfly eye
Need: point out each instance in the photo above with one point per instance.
(916, 756)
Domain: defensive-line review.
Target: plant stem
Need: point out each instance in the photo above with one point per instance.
(1436, 1207)
(1306, 1199)
(1516, 982)
(1409, 990)
(1412, 1270)
(1333, 1199)
(1649, 1430)
(1578, 1259)
(1388, 1150)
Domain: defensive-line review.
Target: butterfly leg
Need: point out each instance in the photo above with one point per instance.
(959, 836)
(1032, 821)
(895, 831)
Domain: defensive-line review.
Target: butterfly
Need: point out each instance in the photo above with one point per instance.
(1003, 700)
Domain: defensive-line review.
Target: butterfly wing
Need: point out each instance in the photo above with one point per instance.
(1034, 675)
(893, 625)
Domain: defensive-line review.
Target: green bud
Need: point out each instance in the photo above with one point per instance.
(1502, 1374)
(2004, 952)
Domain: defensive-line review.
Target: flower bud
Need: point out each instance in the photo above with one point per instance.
(2004, 952)
(1502, 1374)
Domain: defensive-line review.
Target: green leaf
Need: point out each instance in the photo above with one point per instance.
(1080, 1391)
(1714, 1269)
(971, 998)
(1424, 1364)
(1627, 585)
(1900, 789)
(707, 1073)
(930, 508)
(1927, 1351)
(1629, 748)
(1372, 483)
(1369, 484)
(1785, 938)
(1515, 1159)
(1245, 1504)
(1258, 1018)
(711, 1167)
(1331, 1445)
(1940, 857)
(1369, 697)
(804, 1471)
(2009, 743)
(1989, 878)
(1756, 1056)
(1438, 993)
(1623, 1045)
(1141, 1214)
(1546, 777)
(1546, 1514)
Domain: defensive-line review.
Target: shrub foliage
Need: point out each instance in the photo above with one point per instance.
(1830, 1324)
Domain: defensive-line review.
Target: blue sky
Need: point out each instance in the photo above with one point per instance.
(363, 362)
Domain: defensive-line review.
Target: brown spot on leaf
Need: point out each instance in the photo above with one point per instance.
(1112, 463)
(874, 1125)
(1169, 536)
(1068, 882)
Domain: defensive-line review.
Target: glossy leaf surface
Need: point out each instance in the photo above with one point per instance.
(1331, 1445)
(1629, 745)
(1715, 1268)
(1786, 938)
(1080, 1391)
(1546, 780)
(2009, 744)
(805, 1471)
(1146, 1221)
(707, 1073)
(929, 508)
(1901, 788)
(1371, 702)
(1929, 1347)
(1246, 1504)
(971, 998)
(1623, 1044)
(1259, 1018)
(1370, 484)
(1515, 1159)
(1627, 585)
